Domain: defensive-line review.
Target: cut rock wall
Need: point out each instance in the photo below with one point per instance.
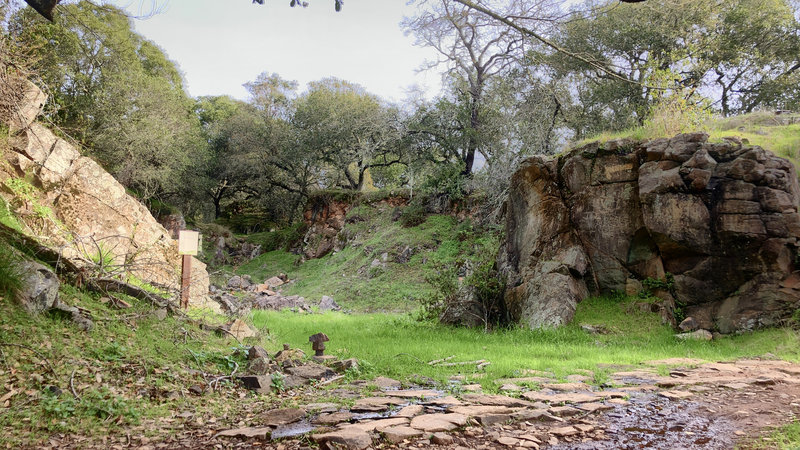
(722, 218)
(82, 211)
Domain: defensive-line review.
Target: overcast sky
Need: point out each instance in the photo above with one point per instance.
(222, 44)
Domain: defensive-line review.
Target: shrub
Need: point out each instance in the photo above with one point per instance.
(413, 215)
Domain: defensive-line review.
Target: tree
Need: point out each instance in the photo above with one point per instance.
(475, 48)
(117, 94)
(349, 129)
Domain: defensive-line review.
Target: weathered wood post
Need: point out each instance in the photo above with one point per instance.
(188, 243)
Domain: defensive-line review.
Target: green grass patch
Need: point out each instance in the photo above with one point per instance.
(368, 275)
(785, 437)
(130, 370)
(399, 346)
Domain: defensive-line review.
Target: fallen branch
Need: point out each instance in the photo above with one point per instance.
(336, 378)
(438, 361)
(464, 363)
(106, 285)
(72, 385)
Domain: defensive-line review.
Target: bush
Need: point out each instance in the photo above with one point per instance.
(413, 215)
(280, 239)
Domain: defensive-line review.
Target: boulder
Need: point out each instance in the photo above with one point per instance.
(328, 304)
(39, 290)
(721, 218)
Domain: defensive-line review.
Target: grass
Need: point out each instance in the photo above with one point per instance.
(785, 437)
(10, 282)
(778, 134)
(399, 346)
(129, 373)
(352, 278)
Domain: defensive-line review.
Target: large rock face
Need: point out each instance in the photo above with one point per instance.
(721, 217)
(68, 202)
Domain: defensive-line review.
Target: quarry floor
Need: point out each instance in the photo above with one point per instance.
(669, 404)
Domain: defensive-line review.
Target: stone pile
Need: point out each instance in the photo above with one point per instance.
(264, 295)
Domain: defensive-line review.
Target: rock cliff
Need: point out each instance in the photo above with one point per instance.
(722, 218)
(69, 203)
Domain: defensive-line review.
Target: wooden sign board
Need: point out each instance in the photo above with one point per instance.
(188, 242)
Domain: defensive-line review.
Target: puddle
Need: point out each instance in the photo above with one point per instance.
(291, 430)
(654, 423)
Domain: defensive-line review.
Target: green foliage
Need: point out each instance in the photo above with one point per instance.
(785, 437)
(115, 93)
(280, 239)
(278, 382)
(413, 215)
(10, 276)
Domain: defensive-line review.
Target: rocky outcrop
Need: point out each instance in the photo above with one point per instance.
(722, 218)
(69, 203)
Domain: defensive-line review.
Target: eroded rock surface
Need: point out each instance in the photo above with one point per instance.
(722, 218)
(69, 203)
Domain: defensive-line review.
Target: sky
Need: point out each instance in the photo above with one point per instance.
(222, 44)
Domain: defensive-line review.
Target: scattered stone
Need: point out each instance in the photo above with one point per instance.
(477, 410)
(473, 387)
(401, 433)
(510, 387)
(328, 304)
(595, 407)
(311, 371)
(676, 395)
(333, 418)
(495, 400)
(584, 427)
(575, 378)
(257, 352)
(441, 439)
(261, 366)
(385, 383)
(324, 359)
(247, 432)
(239, 329)
(438, 422)
(416, 393)
(240, 283)
(567, 387)
(378, 425)
(688, 324)
(564, 411)
(376, 404)
(347, 364)
(508, 441)
(445, 401)
(321, 407)
(274, 283)
(536, 414)
(564, 431)
(289, 354)
(411, 411)
(349, 438)
(259, 383)
(699, 335)
(276, 417)
(488, 420)
(160, 314)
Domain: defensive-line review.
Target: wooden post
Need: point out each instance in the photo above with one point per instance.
(186, 277)
(188, 243)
